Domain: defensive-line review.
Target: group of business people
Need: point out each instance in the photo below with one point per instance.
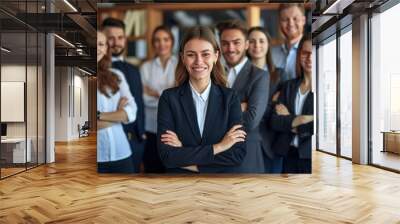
(194, 114)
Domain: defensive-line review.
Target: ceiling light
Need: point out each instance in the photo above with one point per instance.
(5, 49)
(65, 41)
(84, 71)
(337, 7)
(70, 5)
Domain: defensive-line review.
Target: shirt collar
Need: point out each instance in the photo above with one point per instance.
(171, 59)
(206, 93)
(119, 58)
(295, 46)
(239, 66)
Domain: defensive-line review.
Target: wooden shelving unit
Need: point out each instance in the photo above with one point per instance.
(154, 14)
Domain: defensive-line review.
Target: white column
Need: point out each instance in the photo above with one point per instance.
(50, 101)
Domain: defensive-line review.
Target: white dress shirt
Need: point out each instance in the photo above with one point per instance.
(234, 72)
(158, 79)
(112, 143)
(299, 103)
(119, 58)
(290, 67)
(201, 103)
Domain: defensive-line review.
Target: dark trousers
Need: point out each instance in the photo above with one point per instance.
(274, 165)
(137, 152)
(292, 163)
(151, 158)
(119, 166)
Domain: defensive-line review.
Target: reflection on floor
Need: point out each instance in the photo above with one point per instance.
(387, 159)
(71, 191)
(10, 169)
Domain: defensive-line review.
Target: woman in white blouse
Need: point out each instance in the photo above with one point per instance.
(158, 74)
(115, 105)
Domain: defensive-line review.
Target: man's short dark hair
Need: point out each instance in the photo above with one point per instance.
(233, 24)
(284, 6)
(112, 22)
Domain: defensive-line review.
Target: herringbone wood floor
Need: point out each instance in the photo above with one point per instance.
(70, 191)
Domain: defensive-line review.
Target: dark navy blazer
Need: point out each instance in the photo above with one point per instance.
(136, 129)
(176, 112)
(282, 124)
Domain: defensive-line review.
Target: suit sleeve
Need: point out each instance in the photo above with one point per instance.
(235, 155)
(257, 102)
(139, 102)
(282, 123)
(305, 130)
(173, 157)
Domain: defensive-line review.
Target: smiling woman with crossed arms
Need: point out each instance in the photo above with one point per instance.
(199, 121)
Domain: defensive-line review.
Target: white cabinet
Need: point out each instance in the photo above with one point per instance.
(18, 149)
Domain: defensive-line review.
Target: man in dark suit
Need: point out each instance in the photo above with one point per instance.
(252, 87)
(114, 29)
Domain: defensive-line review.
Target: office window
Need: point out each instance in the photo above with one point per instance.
(385, 89)
(346, 93)
(327, 96)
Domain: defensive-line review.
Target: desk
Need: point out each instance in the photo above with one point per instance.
(16, 147)
(391, 141)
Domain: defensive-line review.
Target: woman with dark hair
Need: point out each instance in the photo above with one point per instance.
(199, 121)
(158, 74)
(294, 114)
(115, 105)
(260, 54)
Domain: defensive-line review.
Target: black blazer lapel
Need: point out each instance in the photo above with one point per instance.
(293, 90)
(308, 107)
(189, 110)
(214, 105)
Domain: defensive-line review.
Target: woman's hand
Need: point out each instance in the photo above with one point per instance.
(151, 92)
(123, 101)
(281, 110)
(191, 168)
(103, 124)
(302, 119)
(275, 96)
(243, 105)
(233, 136)
(171, 139)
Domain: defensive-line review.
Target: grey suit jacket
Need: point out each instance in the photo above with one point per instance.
(252, 86)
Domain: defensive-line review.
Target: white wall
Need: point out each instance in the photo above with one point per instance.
(12, 73)
(71, 94)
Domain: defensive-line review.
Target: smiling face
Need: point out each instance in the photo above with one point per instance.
(258, 45)
(234, 46)
(101, 46)
(162, 43)
(306, 57)
(292, 22)
(116, 40)
(199, 57)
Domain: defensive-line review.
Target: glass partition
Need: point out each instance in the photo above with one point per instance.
(22, 60)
